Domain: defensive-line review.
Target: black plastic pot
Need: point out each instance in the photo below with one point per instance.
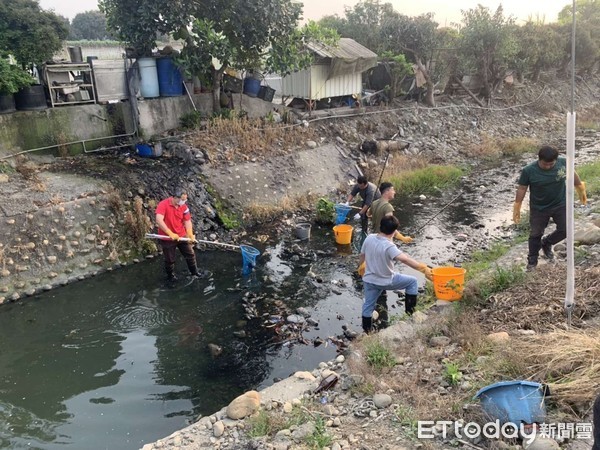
(7, 103)
(31, 98)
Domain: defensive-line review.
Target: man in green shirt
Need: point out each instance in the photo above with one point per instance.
(545, 179)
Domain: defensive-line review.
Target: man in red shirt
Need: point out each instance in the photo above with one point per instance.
(174, 220)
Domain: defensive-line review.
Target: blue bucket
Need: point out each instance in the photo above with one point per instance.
(251, 86)
(144, 150)
(249, 255)
(170, 81)
(341, 211)
(514, 401)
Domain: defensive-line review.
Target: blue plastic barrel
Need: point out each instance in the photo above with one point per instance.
(144, 150)
(341, 212)
(249, 255)
(251, 86)
(170, 81)
(514, 401)
(148, 77)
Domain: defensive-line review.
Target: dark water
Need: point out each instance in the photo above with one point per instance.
(120, 360)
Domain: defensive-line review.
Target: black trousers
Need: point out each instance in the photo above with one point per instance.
(538, 221)
(169, 249)
(596, 421)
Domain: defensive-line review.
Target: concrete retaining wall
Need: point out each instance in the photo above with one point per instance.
(26, 130)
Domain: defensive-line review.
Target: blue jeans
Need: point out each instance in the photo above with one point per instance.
(373, 291)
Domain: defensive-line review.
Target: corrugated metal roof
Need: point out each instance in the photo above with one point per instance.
(347, 49)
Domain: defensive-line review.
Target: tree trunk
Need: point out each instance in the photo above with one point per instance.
(429, 98)
(217, 76)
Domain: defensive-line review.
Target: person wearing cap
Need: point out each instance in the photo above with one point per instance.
(379, 253)
(368, 192)
(546, 181)
(174, 220)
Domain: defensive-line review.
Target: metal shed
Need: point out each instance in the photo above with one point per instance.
(337, 71)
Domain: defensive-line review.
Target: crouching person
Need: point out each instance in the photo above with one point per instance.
(379, 253)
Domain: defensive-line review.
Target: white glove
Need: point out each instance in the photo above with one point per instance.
(357, 217)
(347, 204)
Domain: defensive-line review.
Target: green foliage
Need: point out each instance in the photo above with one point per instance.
(12, 78)
(487, 44)
(89, 25)
(428, 179)
(500, 280)
(325, 211)
(320, 438)
(590, 174)
(29, 33)
(190, 120)
(452, 373)
(482, 260)
(405, 415)
(378, 356)
(260, 424)
(541, 47)
(138, 23)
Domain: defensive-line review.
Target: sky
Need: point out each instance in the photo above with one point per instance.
(446, 11)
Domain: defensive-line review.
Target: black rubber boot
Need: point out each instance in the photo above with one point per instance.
(367, 324)
(170, 269)
(382, 309)
(410, 303)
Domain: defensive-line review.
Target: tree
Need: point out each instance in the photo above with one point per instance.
(138, 23)
(541, 47)
(417, 37)
(29, 33)
(90, 25)
(487, 45)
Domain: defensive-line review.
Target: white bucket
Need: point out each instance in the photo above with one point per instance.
(148, 78)
(302, 231)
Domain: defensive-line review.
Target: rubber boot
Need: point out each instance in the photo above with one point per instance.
(171, 273)
(193, 268)
(367, 324)
(382, 309)
(410, 303)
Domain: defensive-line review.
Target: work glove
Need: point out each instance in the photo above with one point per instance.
(357, 217)
(517, 212)
(362, 268)
(425, 271)
(172, 235)
(347, 204)
(404, 239)
(191, 237)
(581, 193)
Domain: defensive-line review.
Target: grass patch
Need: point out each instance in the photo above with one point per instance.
(257, 213)
(518, 146)
(320, 438)
(487, 148)
(590, 173)
(588, 125)
(483, 260)
(228, 218)
(378, 356)
(427, 180)
(265, 424)
(452, 373)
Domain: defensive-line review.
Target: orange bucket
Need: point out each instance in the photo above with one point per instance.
(343, 234)
(448, 282)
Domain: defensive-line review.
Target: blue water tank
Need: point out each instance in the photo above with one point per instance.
(251, 86)
(170, 81)
(148, 78)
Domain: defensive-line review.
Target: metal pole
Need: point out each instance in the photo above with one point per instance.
(571, 120)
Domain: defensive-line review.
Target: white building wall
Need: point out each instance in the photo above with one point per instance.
(313, 84)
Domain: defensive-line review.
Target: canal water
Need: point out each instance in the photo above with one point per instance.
(122, 359)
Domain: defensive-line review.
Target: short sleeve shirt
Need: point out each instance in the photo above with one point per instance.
(379, 209)
(174, 216)
(547, 188)
(379, 253)
(368, 194)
